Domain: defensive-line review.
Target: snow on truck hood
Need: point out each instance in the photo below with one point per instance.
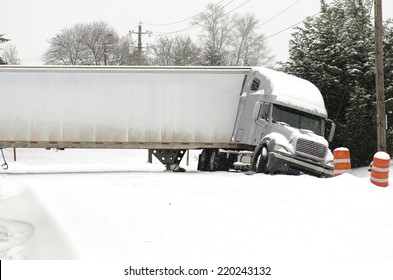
(293, 92)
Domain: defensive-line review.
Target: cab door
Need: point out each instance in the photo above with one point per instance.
(262, 120)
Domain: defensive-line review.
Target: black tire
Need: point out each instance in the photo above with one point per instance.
(261, 160)
(214, 161)
(203, 161)
(211, 160)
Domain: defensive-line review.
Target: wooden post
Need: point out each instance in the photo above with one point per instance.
(381, 118)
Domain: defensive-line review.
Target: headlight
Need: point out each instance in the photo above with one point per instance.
(281, 149)
(330, 163)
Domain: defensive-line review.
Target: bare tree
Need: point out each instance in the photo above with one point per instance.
(178, 50)
(67, 47)
(248, 46)
(2, 40)
(10, 55)
(93, 43)
(217, 33)
(122, 53)
(99, 38)
(163, 51)
(232, 39)
(186, 52)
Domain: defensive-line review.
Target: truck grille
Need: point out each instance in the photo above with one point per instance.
(306, 147)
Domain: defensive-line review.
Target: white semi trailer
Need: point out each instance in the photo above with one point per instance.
(243, 118)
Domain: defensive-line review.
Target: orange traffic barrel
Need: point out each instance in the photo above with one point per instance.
(342, 161)
(380, 169)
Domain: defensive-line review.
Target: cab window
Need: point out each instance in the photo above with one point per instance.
(255, 84)
(265, 109)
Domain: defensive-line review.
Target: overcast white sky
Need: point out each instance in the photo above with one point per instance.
(30, 23)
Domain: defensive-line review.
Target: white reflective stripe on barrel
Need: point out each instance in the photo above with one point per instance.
(377, 180)
(342, 160)
(378, 169)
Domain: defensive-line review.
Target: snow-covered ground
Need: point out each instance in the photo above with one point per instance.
(111, 204)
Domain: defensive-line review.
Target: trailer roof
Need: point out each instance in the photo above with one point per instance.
(122, 69)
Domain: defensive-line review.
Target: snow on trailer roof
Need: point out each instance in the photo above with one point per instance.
(293, 92)
(123, 69)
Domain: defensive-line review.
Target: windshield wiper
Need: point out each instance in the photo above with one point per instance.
(282, 123)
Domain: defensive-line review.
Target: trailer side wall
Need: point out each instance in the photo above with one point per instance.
(118, 105)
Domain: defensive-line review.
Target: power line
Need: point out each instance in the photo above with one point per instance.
(191, 27)
(186, 19)
(294, 25)
(196, 25)
(283, 11)
(237, 7)
(300, 22)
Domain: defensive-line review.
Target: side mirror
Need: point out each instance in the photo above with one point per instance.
(331, 130)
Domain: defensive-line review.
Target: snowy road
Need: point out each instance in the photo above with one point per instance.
(89, 204)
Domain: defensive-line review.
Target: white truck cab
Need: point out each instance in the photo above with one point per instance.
(284, 119)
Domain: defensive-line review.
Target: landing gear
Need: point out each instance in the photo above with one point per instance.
(170, 158)
(4, 165)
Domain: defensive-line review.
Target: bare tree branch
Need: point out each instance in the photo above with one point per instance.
(10, 55)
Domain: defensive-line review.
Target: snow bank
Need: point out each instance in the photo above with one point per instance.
(140, 212)
(27, 229)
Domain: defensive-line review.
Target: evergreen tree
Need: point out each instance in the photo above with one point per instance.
(388, 71)
(213, 56)
(335, 51)
(361, 111)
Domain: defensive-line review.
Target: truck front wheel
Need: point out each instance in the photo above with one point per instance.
(261, 160)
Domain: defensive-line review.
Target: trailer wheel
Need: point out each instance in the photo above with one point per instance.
(261, 161)
(211, 160)
(214, 161)
(203, 160)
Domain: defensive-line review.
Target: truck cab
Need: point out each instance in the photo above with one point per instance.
(282, 119)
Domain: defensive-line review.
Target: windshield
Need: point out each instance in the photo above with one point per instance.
(298, 119)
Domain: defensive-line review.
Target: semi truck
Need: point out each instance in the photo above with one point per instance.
(243, 118)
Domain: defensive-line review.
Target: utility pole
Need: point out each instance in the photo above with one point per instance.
(106, 45)
(105, 55)
(140, 33)
(381, 115)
